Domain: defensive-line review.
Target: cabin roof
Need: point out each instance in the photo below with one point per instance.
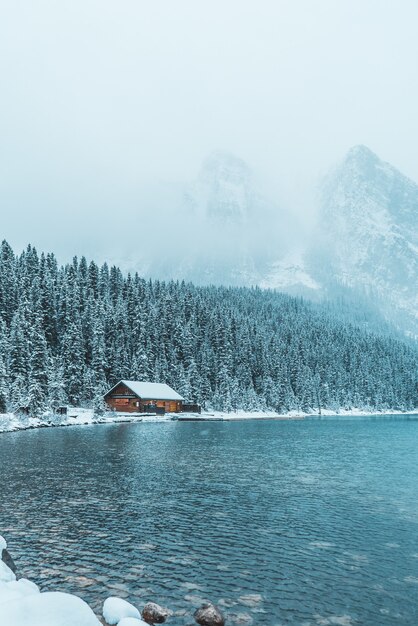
(150, 391)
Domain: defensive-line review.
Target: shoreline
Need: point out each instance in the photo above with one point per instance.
(10, 422)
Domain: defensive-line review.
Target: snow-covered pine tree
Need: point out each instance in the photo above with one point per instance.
(73, 362)
(38, 372)
(228, 348)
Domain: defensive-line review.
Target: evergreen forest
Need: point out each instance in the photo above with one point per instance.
(69, 332)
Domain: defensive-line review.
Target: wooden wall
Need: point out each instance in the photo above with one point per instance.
(124, 400)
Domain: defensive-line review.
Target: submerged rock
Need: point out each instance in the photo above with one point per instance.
(209, 615)
(154, 613)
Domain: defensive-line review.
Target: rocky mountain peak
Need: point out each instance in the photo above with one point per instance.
(223, 190)
(221, 166)
(368, 225)
(361, 155)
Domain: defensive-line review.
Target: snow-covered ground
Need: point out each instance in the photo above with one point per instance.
(79, 416)
(291, 415)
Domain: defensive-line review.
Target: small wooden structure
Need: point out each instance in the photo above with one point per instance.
(134, 396)
(191, 408)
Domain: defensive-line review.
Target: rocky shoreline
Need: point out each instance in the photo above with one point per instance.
(22, 603)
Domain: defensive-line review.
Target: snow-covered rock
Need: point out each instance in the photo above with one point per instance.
(16, 589)
(6, 574)
(4, 553)
(47, 609)
(115, 609)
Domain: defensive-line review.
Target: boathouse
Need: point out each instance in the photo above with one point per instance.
(134, 396)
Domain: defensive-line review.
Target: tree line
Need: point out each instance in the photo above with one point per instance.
(69, 332)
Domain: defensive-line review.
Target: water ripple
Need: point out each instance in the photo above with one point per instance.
(308, 522)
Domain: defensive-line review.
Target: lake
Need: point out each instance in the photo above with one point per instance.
(279, 522)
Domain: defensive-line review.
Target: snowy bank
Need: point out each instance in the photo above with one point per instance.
(79, 416)
(291, 415)
(75, 417)
(10, 422)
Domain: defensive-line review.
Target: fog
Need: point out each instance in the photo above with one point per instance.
(108, 110)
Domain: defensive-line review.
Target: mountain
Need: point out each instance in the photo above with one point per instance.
(224, 233)
(224, 190)
(364, 248)
(367, 240)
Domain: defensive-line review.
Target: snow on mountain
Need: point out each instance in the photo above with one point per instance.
(365, 247)
(224, 189)
(368, 235)
(225, 236)
(290, 274)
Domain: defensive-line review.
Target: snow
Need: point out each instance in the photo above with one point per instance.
(115, 609)
(47, 609)
(6, 574)
(76, 416)
(368, 229)
(291, 415)
(289, 272)
(16, 589)
(152, 391)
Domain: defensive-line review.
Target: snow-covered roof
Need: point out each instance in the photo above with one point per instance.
(152, 391)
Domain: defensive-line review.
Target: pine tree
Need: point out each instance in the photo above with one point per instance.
(73, 362)
(3, 385)
(56, 385)
(38, 373)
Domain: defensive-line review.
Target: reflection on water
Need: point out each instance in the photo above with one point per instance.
(304, 522)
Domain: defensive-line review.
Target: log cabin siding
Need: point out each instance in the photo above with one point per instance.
(124, 400)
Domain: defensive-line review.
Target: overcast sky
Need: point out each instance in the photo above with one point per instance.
(101, 100)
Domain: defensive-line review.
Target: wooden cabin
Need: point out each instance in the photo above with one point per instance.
(134, 396)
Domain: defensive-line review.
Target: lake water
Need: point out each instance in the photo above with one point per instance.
(279, 522)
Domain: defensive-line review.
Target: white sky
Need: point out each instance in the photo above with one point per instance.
(100, 99)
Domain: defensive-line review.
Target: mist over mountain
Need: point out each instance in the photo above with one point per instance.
(364, 246)
(223, 230)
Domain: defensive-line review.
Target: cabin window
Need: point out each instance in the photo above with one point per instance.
(121, 401)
